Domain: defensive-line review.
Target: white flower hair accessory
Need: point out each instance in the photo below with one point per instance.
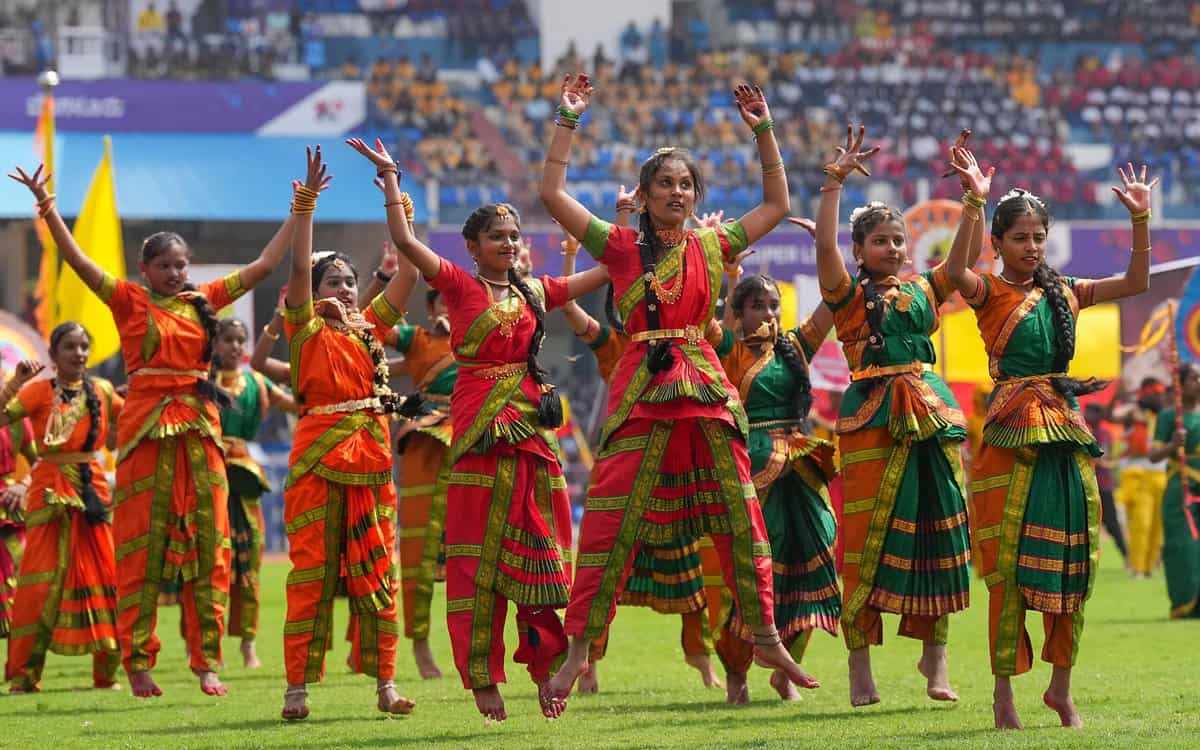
(1021, 193)
(859, 212)
(320, 256)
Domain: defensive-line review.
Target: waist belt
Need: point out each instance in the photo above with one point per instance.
(67, 459)
(200, 374)
(691, 334)
(875, 371)
(497, 372)
(1030, 378)
(362, 404)
(775, 424)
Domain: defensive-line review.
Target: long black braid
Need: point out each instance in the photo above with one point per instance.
(549, 410)
(784, 347)
(93, 507)
(610, 310)
(1046, 278)
(862, 222)
(155, 245)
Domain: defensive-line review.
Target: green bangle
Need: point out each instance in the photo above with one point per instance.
(566, 113)
(975, 200)
(763, 126)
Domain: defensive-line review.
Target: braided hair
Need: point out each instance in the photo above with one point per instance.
(784, 348)
(154, 246)
(862, 221)
(549, 410)
(93, 507)
(1011, 207)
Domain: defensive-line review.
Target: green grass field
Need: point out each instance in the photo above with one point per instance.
(1137, 685)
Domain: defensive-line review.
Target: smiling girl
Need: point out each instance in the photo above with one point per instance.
(66, 601)
(1037, 504)
(170, 515)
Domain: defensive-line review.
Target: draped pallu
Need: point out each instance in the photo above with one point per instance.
(791, 472)
(508, 516)
(423, 471)
(66, 595)
(252, 394)
(904, 525)
(170, 506)
(672, 464)
(684, 578)
(1036, 502)
(1181, 549)
(339, 502)
(16, 449)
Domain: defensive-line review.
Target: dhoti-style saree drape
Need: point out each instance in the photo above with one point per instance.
(66, 595)
(170, 506)
(508, 516)
(339, 502)
(423, 472)
(791, 471)
(673, 464)
(1181, 517)
(1037, 505)
(904, 527)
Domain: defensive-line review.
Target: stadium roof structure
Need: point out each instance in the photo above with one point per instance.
(201, 177)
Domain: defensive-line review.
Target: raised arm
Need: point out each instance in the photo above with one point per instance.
(776, 203)
(626, 206)
(586, 282)
(1135, 194)
(831, 267)
(275, 370)
(299, 288)
(253, 273)
(958, 263)
(397, 206)
(568, 212)
(388, 264)
(576, 316)
(26, 371)
(400, 286)
(68, 249)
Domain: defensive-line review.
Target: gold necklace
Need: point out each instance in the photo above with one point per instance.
(506, 318)
(671, 237)
(498, 284)
(232, 381)
(666, 296)
(64, 414)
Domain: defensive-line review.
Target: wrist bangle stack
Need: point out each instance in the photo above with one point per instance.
(1141, 217)
(762, 127)
(45, 205)
(971, 198)
(772, 169)
(566, 118)
(304, 202)
(834, 173)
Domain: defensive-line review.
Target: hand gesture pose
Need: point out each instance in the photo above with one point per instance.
(1135, 191)
(576, 93)
(851, 157)
(969, 171)
(627, 201)
(36, 182)
(960, 142)
(807, 225)
(378, 156)
(710, 220)
(751, 104)
(27, 369)
(12, 497)
(390, 262)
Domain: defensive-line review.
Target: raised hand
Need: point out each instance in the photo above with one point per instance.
(379, 155)
(807, 225)
(851, 157)
(1135, 191)
(751, 104)
(734, 268)
(710, 220)
(390, 262)
(970, 173)
(315, 178)
(27, 369)
(960, 142)
(576, 93)
(12, 497)
(36, 182)
(627, 201)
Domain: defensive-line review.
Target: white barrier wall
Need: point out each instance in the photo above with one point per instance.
(590, 23)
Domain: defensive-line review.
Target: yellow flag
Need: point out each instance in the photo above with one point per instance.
(98, 232)
(43, 147)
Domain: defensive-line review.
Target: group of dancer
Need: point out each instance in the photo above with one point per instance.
(705, 460)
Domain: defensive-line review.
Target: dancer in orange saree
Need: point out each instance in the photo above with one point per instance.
(169, 508)
(508, 517)
(669, 580)
(339, 500)
(673, 463)
(66, 597)
(1037, 503)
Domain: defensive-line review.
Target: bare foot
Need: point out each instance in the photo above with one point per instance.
(106, 685)
(1065, 708)
(775, 656)
(250, 656)
(553, 693)
(143, 685)
(14, 690)
(737, 692)
(1005, 713)
(787, 691)
(426, 666)
(862, 682)
(490, 703)
(390, 700)
(589, 681)
(703, 664)
(210, 684)
(295, 703)
(937, 674)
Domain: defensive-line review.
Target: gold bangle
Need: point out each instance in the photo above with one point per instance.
(829, 171)
(1137, 250)
(972, 198)
(973, 215)
(268, 333)
(557, 161)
